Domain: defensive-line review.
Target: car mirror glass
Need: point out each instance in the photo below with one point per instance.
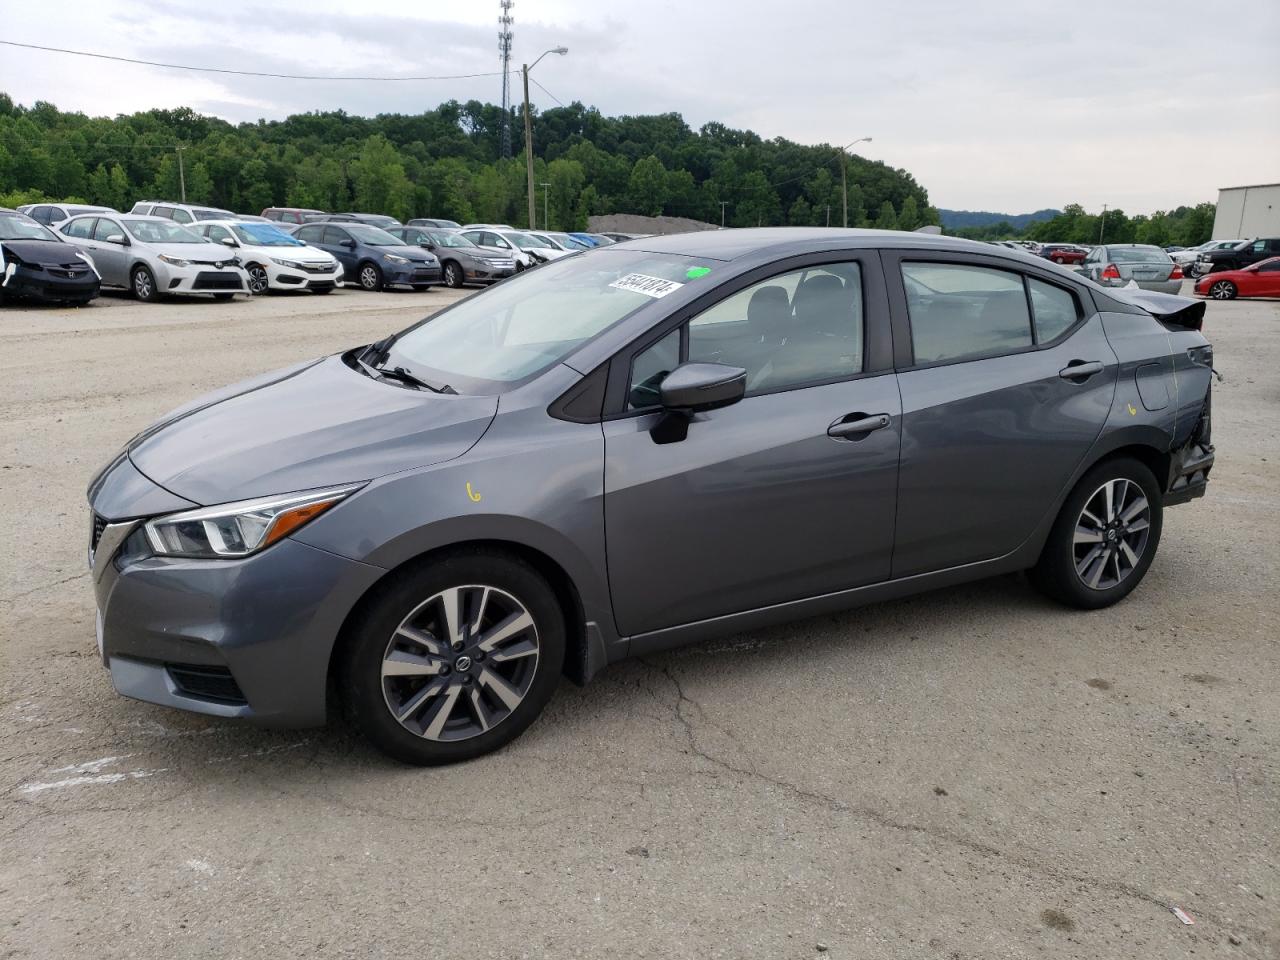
(230, 242)
(117, 238)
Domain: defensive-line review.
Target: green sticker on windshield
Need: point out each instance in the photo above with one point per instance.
(694, 273)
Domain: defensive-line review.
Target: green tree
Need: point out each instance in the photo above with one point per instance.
(647, 188)
(887, 219)
(380, 182)
(909, 216)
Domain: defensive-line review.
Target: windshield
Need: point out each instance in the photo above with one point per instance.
(524, 241)
(161, 231)
(374, 236)
(211, 214)
(16, 227)
(523, 326)
(1137, 255)
(264, 235)
(445, 239)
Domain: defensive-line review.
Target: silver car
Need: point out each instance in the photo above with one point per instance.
(1119, 264)
(153, 257)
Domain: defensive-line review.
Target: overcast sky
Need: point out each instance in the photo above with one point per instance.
(1006, 106)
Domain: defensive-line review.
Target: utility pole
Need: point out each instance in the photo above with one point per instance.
(1102, 224)
(723, 204)
(528, 128)
(546, 217)
(844, 186)
(828, 214)
(182, 177)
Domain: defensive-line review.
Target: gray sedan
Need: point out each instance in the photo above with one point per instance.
(460, 259)
(652, 444)
(1118, 264)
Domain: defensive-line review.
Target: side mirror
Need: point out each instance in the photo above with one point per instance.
(230, 242)
(697, 387)
(349, 243)
(429, 245)
(118, 238)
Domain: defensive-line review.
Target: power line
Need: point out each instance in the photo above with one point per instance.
(546, 91)
(240, 73)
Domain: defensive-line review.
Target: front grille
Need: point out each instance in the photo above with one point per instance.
(424, 273)
(318, 267)
(209, 280)
(206, 683)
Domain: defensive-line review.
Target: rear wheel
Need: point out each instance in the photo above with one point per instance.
(454, 658)
(1223, 290)
(144, 284)
(1105, 537)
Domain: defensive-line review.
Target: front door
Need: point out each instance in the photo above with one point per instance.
(1007, 379)
(785, 495)
(111, 259)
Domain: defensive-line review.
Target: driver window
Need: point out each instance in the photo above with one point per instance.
(103, 229)
(218, 234)
(334, 235)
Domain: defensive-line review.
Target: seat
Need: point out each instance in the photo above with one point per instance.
(823, 306)
(769, 314)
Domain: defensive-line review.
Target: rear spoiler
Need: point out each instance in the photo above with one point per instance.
(1168, 308)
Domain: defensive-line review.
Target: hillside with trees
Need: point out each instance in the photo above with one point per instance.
(1182, 226)
(953, 220)
(445, 163)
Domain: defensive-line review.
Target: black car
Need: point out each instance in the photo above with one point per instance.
(1237, 257)
(461, 261)
(36, 263)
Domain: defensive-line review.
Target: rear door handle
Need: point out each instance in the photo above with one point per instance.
(858, 427)
(1080, 370)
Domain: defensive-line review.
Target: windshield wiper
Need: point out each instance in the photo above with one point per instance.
(404, 375)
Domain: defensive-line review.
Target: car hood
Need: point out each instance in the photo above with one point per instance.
(41, 251)
(307, 254)
(312, 425)
(405, 250)
(195, 252)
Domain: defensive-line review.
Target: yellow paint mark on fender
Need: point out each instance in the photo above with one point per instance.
(475, 497)
(1133, 412)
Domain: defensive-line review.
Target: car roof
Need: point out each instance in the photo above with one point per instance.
(734, 243)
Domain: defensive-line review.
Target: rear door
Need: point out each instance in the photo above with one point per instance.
(779, 497)
(1007, 379)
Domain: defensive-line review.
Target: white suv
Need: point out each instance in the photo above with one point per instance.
(273, 259)
(183, 213)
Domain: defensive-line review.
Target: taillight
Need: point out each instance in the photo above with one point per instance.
(1177, 273)
(1112, 272)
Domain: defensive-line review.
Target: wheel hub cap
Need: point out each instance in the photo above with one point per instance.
(1111, 534)
(460, 663)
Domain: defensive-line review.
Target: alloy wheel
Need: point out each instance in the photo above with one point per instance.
(452, 275)
(369, 277)
(142, 284)
(1222, 290)
(460, 663)
(257, 280)
(1111, 534)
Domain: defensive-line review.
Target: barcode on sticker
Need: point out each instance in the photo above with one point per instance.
(1182, 915)
(654, 287)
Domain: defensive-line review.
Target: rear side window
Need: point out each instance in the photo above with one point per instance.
(162, 212)
(81, 228)
(1052, 308)
(961, 311)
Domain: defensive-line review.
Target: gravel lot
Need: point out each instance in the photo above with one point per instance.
(972, 773)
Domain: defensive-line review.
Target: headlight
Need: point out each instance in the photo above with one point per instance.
(393, 258)
(175, 261)
(292, 264)
(238, 529)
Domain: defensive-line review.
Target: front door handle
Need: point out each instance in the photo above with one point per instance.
(855, 426)
(1080, 370)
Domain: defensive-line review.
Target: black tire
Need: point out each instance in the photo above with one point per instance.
(1223, 290)
(1056, 573)
(453, 275)
(369, 276)
(373, 635)
(258, 282)
(143, 284)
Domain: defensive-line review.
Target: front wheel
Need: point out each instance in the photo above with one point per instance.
(453, 276)
(258, 282)
(144, 285)
(454, 658)
(370, 277)
(1105, 537)
(1223, 290)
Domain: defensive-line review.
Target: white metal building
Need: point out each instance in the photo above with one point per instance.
(1248, 212)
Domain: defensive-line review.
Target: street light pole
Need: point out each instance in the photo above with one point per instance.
(528, 127)
(1102, 224)
(844, 179)
(546, 217)
(723, 204)
(182, 177)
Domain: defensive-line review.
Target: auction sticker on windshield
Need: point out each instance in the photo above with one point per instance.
(654, 287)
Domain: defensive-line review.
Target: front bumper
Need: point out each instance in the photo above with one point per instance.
(289, 278)
(44, 285)
(246, 638)
(484, 273)
(200, 278)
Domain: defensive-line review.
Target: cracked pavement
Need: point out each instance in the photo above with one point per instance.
(970, 773)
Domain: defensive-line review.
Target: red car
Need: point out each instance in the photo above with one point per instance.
(1261, 279)
(1063, 252)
